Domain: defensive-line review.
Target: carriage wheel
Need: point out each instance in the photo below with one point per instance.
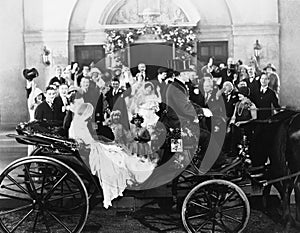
(215, 206)
(42, 194)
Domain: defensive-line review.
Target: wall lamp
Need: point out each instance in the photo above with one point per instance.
(46, 56)
(257, 50)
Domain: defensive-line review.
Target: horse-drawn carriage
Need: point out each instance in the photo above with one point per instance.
(53, 190)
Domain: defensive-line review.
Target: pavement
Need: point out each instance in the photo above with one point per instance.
(10, 149)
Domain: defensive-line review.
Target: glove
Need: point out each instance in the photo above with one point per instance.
(207, 112)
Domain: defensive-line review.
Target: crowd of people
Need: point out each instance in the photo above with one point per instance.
(126, 106)
(135, 111)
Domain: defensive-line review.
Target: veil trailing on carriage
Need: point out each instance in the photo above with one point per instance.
(113, 164)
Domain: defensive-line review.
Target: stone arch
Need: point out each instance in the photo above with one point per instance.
(186, 6)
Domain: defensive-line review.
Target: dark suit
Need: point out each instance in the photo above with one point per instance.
(60, 80)
(44, 112)
(254, 87)
(58, 104)
(177, 98)
(266, 100)
(117, 102)
(195, 94)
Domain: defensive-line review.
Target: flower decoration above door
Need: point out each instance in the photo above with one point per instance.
(182, 37)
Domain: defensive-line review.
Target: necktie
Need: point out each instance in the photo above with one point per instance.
(50, 105)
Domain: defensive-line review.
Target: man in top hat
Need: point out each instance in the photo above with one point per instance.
(177, 98)
(274, 83)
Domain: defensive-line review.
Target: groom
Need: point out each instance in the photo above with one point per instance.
(177, 98)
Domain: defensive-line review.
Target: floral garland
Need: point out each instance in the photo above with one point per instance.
(183, 37)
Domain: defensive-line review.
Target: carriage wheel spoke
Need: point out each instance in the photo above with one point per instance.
(232, 218)
(35, 221)
(228, 197)
(197, 216)
(65, 196)
(197, 204)
(59, 221)
(233, 208)
(19, 186)
(11, 189)
(15, 209)
(68, 186)
(202, 225)
(55, 185)
(222, 225)
(213, 226)
(14, 197)
(46, 223)
(30, 180)
(207, 197)
(21, 221)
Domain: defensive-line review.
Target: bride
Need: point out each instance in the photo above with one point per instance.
(114, 165)
(146, 104)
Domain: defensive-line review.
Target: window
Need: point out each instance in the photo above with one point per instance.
(86, 54)
(217, 49)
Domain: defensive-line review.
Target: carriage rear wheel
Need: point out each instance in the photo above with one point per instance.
(42, 194)
(215, 206)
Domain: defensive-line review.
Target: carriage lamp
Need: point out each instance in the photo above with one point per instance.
(46, 56)
(257, 50)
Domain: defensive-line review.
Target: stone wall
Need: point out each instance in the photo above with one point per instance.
(289, 52)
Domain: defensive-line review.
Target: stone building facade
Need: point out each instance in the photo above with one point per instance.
(62, 26)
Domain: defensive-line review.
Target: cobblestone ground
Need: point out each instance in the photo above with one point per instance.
(153, 219)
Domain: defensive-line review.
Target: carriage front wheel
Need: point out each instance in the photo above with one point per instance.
(42, 194)
(215, 206)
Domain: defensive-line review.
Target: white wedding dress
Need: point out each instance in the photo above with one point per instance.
(115, 167)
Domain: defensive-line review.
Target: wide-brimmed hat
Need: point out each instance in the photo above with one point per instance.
(37, 92)
(137, 116)
(30, 74)
(270, 65)
(245, 91)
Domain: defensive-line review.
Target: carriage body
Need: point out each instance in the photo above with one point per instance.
(54, 189)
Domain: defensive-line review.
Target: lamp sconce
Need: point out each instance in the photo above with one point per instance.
(257, 50)
(46, 56)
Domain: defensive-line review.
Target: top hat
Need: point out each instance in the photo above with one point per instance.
(30, 74)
